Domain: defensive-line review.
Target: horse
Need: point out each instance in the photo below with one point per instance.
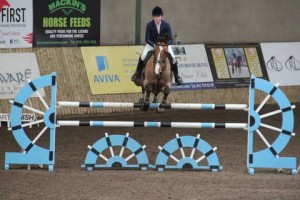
(237, 64)
(156, 76)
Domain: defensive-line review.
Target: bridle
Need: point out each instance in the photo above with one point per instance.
(159, 65)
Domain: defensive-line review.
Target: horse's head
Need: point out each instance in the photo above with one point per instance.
(160, 57)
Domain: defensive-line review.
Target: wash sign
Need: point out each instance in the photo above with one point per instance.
(24, 118)
(109, 69)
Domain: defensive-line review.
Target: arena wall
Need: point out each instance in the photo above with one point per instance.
(205, 21)
(195, 21)
(73, 85)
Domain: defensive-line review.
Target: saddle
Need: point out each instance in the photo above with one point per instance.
(148, 56)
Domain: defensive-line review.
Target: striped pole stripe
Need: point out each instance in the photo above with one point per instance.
(152, 124)
(168, 153)
(97, 153)
(180, 145)
(267, 143)
(207, 154)
(267, 97)
(139, 150)
(277, 111)
(187, 106)
(195, 145)
(124, 144)
(109, 145)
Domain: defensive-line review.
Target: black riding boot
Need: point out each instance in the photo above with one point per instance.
(174, 68)
(138, 71)
(178, 79)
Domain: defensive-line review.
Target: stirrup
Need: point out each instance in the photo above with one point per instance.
(178, 80)
(134, 77)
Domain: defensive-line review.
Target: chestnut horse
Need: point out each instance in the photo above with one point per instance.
(156, 76)
(237, 64)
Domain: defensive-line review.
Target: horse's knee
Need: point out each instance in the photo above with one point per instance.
(167, 90)
(148, 87)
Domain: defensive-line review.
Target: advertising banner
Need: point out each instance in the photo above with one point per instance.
(193, 67)
(16, 23)
(232, 65)
(109, 69)
(15, 69)
(66, 23)
(283, 62)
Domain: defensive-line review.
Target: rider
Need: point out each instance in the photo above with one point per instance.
(233, 54)
(157, 28)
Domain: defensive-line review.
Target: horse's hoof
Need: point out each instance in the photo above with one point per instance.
(141, 101)
(145, 106)
(160, 110)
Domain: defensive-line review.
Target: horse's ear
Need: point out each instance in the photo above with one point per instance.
(157, 38)
(160, 39)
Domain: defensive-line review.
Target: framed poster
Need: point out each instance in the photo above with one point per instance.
(232, 65)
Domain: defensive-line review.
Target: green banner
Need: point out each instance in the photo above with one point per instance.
(66, 23)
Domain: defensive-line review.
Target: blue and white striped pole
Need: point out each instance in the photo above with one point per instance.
(183, 106)
(151, 124)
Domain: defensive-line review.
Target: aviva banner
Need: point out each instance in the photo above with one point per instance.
(109, 69)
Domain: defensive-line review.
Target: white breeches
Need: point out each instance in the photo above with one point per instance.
(150, 48)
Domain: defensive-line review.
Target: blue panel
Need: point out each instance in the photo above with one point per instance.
(265, 158)
(206, 125)
(152, 124)
(154, 105)
(116, 140)
(98, 105)
(36, 155)
(98, 123)
(207, 106)
(187, 141)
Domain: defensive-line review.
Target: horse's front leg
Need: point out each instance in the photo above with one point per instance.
(146, 105)
(155, 99)
(166, 92)
(141, 101)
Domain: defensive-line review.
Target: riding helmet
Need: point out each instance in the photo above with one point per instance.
(157, 11)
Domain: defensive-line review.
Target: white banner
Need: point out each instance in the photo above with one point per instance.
(16, 23)
(282, 62)
(15, 69)
(193, 67)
